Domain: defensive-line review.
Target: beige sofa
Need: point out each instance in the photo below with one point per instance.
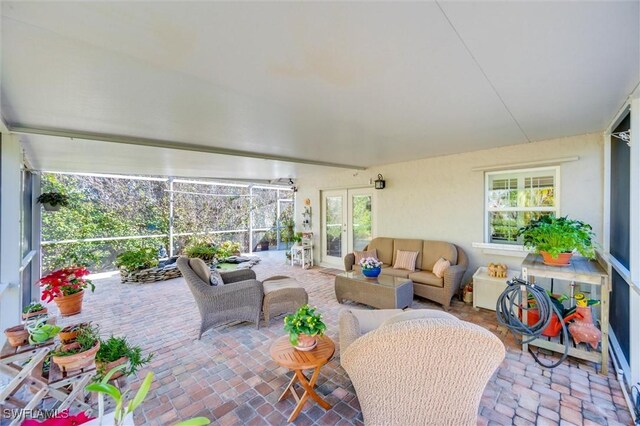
(425, 283)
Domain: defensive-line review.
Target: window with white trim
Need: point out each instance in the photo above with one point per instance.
(516, 197)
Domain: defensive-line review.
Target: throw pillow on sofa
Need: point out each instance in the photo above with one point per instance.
(215, 278)
(440, 267)
(364, 254)
(406, 260)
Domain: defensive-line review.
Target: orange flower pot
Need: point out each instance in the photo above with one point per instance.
(70, 305)
(106, 367)
(17, 336)
(76, 361)
(563, 259)
(34, 314)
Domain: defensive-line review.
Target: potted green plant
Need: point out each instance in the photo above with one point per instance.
(81, 352)
(123, 413)
(41, 332)
(52, 201)
(230, 248)
(33, 309)
(116, 351)
(69, 333)
(297, 238)
(303, 327)
(66, 287)
(556, 238)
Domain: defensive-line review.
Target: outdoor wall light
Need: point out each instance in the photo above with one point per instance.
(379, 183)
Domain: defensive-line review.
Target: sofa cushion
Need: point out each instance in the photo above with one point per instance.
(417, 314)
(215, 278)
(426, 277)
(434, 250)
(384, 246)
(408, 245)
(200, 268)
(400, 273)
(440, 267)
(369, 320)
(359, 255)
(405, 260)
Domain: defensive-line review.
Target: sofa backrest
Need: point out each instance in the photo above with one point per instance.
(434, 250)
(429, 251)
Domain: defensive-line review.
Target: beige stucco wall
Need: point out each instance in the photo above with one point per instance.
(442, 198)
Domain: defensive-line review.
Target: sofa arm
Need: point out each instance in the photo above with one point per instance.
(349, 329)
(349, 261)
(453, 277)
(229, 277)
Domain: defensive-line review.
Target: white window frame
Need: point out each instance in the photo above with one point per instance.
(487, 227)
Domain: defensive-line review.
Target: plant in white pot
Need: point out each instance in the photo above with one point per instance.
(556, 238)
(52, 201)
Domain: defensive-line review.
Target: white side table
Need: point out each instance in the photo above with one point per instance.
(486, 289)
(303, 255)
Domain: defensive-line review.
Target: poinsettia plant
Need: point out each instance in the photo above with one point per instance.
(65, 282)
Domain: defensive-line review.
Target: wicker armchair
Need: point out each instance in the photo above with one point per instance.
(239, 299)
(422, 371)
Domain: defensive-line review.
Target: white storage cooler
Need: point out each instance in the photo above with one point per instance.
(486, 289)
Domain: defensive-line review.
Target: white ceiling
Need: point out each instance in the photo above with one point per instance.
(352, 83)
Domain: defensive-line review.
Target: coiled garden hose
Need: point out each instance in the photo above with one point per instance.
(510, 305)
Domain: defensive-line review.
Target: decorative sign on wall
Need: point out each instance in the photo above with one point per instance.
(306, 215)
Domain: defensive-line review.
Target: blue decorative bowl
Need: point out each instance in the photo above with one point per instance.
(371, 273)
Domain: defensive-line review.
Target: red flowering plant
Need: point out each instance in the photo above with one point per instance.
(65, 282)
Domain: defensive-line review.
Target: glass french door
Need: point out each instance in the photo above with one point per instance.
(347, 223)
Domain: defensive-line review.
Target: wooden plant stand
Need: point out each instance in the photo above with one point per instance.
(581, 270)
(287, 356)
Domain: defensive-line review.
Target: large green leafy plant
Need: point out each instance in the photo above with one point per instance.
(557, 235)
(304, 321)
(134, 260)
(201, 249)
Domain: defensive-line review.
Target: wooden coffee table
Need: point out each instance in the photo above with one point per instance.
(287, 356)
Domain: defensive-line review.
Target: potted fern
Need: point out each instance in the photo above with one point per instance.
(116, 351)
(52, 201)
(556, 238)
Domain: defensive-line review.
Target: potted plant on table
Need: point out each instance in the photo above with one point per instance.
(80, 353)
(556, 238)
(52, 201)
(303, 328)
(33, 309)
(116, 351)
(66, 287)
(370, 266)
(17, 335)
(41, 331)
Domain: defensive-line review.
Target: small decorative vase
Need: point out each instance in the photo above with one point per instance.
(583, 329)
(371, 272)
(563, 259)
(70, 305)
(306, 343)
(17, 336)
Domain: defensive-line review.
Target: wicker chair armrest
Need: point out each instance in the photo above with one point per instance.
(453, 277)
(349, 261)
(349, 329)
(237, 275)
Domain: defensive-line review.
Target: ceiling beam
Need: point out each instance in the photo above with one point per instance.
(157, 143)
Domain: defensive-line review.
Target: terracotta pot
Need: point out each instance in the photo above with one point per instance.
(76, 361)
(70, 305)
(69, 336)
(106, 367)
(583, 329)
(563, 259)
(34, 314)
(306, 343)
(17, 336)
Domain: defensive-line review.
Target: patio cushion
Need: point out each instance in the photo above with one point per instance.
(408, 245)
(369, 320)
(401, 273)
(426, 277)
(417, 314)
(405, 260)
(434, 250)
(201, 269)
(215, 278)
(440, 267)
(359, 255)
(384, 246)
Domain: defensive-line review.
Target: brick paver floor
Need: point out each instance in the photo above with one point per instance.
(229, 377)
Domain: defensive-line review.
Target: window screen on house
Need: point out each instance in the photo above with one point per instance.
(515, 198)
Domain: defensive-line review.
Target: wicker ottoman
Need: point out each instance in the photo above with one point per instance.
(282, 295)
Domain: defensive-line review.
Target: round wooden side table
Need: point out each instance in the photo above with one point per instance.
(287, 356)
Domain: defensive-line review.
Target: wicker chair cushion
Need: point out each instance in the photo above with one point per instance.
(417, 314)
(369, 320)
(200, 268)
(215, 278)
